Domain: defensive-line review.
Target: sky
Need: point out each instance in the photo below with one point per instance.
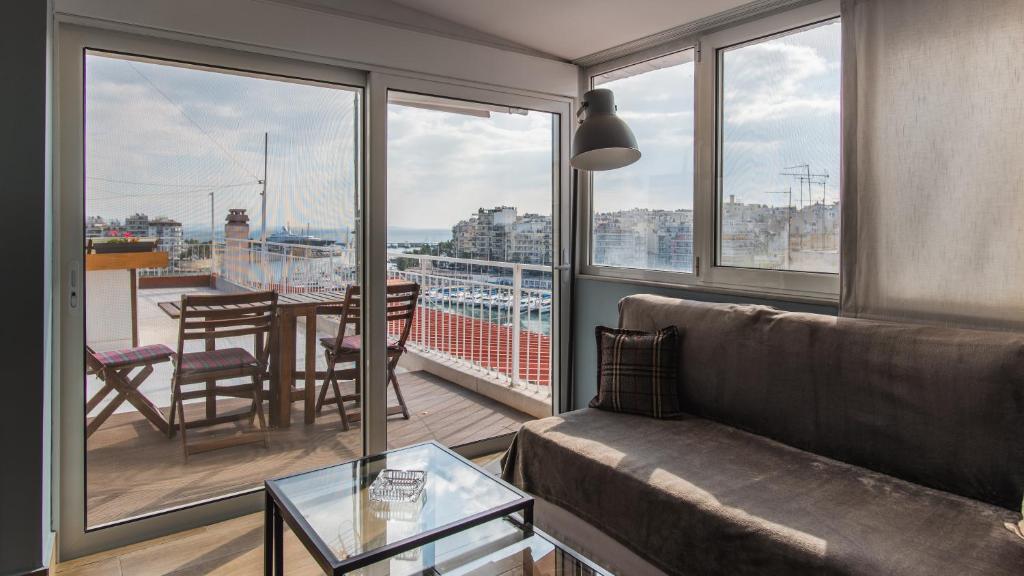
(443, 166)
(780, 103)
(160, 138)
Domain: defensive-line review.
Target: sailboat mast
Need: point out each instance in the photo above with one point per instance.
(263, 209)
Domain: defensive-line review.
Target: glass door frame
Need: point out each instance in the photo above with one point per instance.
(375, 247)
(69, 481)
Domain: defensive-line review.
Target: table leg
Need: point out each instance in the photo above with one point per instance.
(528, 514)
(310, 368)
(282, 411)
(278, 543)
(268, 535)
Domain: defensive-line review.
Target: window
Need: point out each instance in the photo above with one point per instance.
(737, 188)
(779, 135)
(643, 214)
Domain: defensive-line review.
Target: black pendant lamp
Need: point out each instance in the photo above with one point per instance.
(602, 141)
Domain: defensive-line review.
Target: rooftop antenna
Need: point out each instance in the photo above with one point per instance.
(789, 222)
(803, 174)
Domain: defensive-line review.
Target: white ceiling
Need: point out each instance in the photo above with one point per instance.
(571, 29)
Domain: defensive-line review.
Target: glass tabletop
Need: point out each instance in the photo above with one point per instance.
(335, 503)
(500, 546)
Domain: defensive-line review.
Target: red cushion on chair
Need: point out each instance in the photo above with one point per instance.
(354, 342)
(152, 354)
(215, 360)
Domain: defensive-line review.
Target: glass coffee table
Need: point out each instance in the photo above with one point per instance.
(461, 518)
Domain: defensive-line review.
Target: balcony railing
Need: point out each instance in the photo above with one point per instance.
(490, 317)
(493, 316)
(184, 260)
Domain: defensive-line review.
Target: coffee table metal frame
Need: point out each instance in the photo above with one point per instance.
(279, 509)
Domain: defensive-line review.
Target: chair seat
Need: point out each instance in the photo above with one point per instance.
(217, 360)
(152, 354)
(354, 343)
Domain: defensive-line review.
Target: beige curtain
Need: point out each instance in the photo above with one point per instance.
(933, 180)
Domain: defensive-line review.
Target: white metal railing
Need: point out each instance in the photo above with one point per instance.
(480, 313)
(493, 317)
(186, 259)
(284, 267)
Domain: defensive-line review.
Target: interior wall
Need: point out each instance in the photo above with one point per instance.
(597, 305)
(23, 512)
(307, 33)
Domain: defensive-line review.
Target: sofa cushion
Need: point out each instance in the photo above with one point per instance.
(637, 372)
(697, 497)
(938, 406)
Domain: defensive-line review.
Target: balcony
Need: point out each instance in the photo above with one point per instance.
(478, 367)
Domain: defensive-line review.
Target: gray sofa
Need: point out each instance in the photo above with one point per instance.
(811, 445)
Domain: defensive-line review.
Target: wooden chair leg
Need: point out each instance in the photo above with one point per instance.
(139, 401)
(341, 403)
(171, 415)
(183, 425)
(398, 391)
(98, 397)
(257, 398)
(107, 411)
(323, 387)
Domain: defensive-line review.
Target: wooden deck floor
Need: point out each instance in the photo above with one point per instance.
(133, 470)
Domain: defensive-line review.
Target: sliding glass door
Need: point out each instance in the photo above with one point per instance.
(202, 191)
(472, 190)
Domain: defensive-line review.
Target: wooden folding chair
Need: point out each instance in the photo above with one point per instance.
(114, 369)
(210, 318)
(344, 348)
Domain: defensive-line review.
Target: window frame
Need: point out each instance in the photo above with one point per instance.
(707, 275)
(586, 182)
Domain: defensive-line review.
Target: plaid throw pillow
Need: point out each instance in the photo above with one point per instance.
(637, 372)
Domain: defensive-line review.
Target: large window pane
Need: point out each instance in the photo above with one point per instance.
(470, 200)
(643, 213)
(201, 181)
(779, 195)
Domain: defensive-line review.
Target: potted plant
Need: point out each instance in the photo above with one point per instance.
(121, 245)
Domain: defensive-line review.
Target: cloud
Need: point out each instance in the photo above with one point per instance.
(159, 138)
(443, 166)
(782, 78)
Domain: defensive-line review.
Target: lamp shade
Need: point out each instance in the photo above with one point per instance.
(603, 141)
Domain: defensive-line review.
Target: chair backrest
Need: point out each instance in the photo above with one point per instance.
(348, 313)
(212, 317)
(401, 306)
(402, 298)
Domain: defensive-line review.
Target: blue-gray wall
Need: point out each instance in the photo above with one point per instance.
(597, 304)
(23, 163)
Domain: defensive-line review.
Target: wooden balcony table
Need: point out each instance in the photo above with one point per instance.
(284, 352)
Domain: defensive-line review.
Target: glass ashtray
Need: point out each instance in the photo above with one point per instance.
(393, 485)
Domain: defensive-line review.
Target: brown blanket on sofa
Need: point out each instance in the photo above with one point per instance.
(697, 497)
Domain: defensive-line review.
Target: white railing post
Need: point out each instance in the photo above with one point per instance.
(517, 292)
(287, 276)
